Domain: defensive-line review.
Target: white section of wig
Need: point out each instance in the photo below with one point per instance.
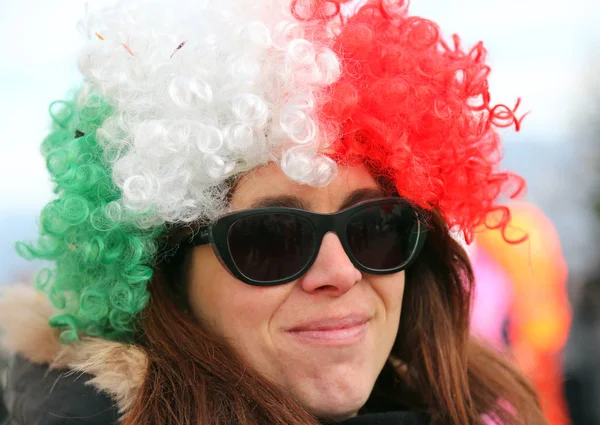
(203, 90)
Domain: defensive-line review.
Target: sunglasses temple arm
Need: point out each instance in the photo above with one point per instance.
(201, 238)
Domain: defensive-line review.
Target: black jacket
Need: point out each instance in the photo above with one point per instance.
(35, 395)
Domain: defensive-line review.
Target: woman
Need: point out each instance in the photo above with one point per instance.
(252, 223)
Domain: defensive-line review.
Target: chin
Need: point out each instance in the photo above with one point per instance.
(336, 407)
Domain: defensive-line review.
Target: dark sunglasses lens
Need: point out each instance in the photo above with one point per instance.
(271, 247)
(383, 237)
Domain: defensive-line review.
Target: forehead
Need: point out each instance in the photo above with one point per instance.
(270, 181)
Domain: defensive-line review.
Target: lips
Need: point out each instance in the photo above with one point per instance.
(343, 331)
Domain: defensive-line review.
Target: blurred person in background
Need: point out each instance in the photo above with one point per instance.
(521, 301)
(252, 224)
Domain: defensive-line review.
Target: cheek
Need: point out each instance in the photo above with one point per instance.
(390, 290)
(229, 307)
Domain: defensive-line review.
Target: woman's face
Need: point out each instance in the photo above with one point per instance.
(297, 334)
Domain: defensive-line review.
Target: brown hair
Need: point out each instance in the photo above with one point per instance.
(194, 377)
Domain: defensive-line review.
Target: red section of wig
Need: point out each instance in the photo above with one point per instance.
(417, 110)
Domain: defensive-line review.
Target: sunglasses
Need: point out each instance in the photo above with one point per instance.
(273, 246)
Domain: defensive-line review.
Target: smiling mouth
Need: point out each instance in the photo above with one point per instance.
(341, 333)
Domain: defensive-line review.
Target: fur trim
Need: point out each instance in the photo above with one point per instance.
(24, 314)
(118, 369)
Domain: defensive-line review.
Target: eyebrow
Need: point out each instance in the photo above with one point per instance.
(361, 195)
(288, 201)
(280, 201)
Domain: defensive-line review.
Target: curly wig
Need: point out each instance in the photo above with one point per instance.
(179, 97)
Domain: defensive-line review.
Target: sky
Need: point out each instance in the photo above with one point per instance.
(540, 50)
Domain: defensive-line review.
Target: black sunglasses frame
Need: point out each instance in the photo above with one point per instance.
(216, 234)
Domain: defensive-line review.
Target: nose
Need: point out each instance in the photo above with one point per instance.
(332, 271)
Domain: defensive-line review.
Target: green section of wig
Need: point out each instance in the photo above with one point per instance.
(102, 260)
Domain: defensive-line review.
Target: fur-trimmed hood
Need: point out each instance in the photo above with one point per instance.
(62, 380)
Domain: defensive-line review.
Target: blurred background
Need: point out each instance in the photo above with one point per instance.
(542, 300)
